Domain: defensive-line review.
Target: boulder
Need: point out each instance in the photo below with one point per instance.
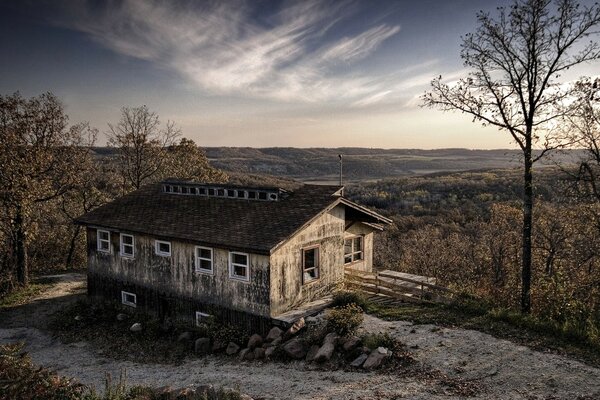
(122, 317)
(273, 334)
(277, 341)
(312, 352)
(295, 328)
(202, 346)
(137, 327)
(327, 349)
(259, 353)
(376, 358)
(294, 349)
(358, 361)
(246, 354)
(184, 337)
(351, 343)
(232, 348)
(269, 352)
(254, 341)
(218, 346)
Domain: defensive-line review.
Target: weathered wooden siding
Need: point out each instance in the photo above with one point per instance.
(366, 264)
(175, 276)
(287, 289)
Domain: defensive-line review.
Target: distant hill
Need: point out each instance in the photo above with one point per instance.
(321, 165)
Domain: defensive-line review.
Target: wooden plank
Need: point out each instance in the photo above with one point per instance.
(428, 285)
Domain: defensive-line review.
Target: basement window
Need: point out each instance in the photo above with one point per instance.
(103, 241)
(353, 249)
(129, 299)
(162, 248)
(310, 264)
(201, 318)
(238, 266)
(204, 259)
(127, 245)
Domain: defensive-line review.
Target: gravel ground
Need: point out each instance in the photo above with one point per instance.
(504, 370)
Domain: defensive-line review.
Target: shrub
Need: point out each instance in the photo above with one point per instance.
(344, 320)
(375, 340)
(345, 297)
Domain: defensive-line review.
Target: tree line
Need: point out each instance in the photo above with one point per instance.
(50, 174)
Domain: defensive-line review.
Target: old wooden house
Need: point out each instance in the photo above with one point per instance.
(242, 254)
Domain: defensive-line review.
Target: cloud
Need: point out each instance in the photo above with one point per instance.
(292, 54)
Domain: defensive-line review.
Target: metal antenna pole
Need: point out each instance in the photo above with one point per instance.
(341, 163)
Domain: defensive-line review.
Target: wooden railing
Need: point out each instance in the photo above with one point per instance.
(399, 286)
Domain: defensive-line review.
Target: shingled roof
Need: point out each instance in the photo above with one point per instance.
(256, 226)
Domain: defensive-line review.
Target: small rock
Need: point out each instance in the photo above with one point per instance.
(359, 360)
(137, 327)
(312, 352)
(351, 343)
(259, 353)
(184, 337)
(78, 318)
(202, 346)
(365, 350)
(277, 341)
(269, 352)
(121, 317)
(295, 328)
(273, 334)
(254, 341)
(326, 351)
(204, 390)
(246, 354)
(232, 348)
(295, 349)
(376, 358)
(218, 346)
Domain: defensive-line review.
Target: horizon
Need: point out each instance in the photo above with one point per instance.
(253, 74)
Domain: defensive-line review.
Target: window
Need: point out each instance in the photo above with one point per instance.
(211, 192)
(251, 194)
(238, 266)
(310, 264)
(184, 190)
(262, 195)
(168, 188)
(176, 189)
(202, 191)
(127, 245)
(201, 318)
(129, 299)
(204, 259)
(353, 249)
(162, 248)
(103, 241)
(220, 192)
(241, 194)
(230, 193)
(193, 190)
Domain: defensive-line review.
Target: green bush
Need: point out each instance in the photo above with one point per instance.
(375, 340)
(345, 297)
(344, 320)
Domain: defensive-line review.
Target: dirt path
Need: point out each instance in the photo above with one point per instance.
(505, 370)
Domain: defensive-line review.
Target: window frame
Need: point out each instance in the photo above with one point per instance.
(353, 252)
(124, 295)
(232, 266)
(197, 258)
(157, 250)
(98, 241)
(122, 245)
(317, 248)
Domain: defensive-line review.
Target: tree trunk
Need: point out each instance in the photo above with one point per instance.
(527, 230)
(21, 248)
(69, 262)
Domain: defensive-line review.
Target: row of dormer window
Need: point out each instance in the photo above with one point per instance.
(239, 263)
(221, 192)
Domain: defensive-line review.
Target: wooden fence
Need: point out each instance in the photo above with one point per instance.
(398, 285)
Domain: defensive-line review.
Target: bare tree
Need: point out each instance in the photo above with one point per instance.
(515, 59)
(39, 155)
(142, 143)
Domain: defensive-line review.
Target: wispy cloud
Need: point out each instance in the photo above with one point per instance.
(292, 55)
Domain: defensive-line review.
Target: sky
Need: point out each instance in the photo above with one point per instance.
(258, 73)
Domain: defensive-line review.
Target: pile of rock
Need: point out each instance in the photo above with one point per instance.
(199, 392)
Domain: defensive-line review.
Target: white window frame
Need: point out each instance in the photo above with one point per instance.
(124, 300)
(354, 252)
(98, 241)
(232, 266)
(317, 267)
(157, 250)
(122, 246)
(200, 316)
(198, 259)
